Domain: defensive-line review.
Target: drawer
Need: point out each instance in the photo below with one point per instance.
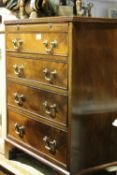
(49, 27)
(47, 141)
(47, 72)
(41, 42)
(47, 105)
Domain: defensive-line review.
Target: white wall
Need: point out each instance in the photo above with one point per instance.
(2, 91)
(101, 7)
(6, 15)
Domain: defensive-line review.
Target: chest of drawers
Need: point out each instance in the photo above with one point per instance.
(62, 91)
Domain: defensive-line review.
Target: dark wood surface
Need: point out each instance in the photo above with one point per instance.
(94, 94)
(33, 71)
(34, 133)
(59, 19)
(34, 99)
(88, 76)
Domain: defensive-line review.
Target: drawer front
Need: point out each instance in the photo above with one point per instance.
(43, 43)
(44, 104)
(51, 73)
(46, 140)
(50, 27)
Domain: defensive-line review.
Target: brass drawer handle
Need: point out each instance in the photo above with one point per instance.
(50, 145)
(17, 43)
(19, 130)
(49, 76)
(53, 44)
(18, 70)
(18, 98)
(50, 109)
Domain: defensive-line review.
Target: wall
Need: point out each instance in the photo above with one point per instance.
(101, 7)
(6, 15)
(2, 90)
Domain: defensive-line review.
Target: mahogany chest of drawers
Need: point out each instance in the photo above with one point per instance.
(62, 91)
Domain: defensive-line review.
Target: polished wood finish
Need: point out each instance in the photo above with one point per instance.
(61, 20)
(86, 92)
(33, 42)
(38, 131)
(33, 71)
(39, 97)
(63, 27)
(94, 93)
